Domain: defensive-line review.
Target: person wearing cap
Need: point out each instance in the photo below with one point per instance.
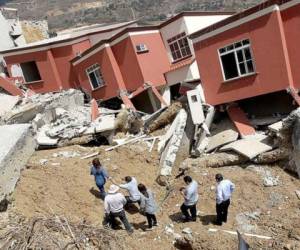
(190, 195)
(132, 187)
(100, 174)
(114, 207)
(223, 194)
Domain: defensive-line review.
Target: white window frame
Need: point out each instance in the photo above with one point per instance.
(175, 39)
(140, 48)
(95, 69)
(235, 50)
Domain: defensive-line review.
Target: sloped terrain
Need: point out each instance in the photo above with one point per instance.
(69, 13)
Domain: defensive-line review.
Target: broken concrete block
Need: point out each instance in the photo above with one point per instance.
(195, 104)
(101, 124)
(249, 147)
(168, 156)
(14, 153)
(220, 139)
(276, 127)
(43, 140)
(7, 103)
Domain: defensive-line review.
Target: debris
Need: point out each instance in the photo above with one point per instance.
(7, 103)
(89, 156)
(17, 145)
(200, 138)
(126, 142)
(66, 154)
(248, 147)
(240, 120)
(43, 161)
(187, 230)
(168, 156)
(195, 105)
(221, 139)
(270, 181)
(214, 230)
(216, 160)
(273, 156)
(166, 117)
(276, 127)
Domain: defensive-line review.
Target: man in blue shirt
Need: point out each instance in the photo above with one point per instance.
(100, 175)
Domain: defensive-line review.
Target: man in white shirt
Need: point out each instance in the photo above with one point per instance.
(223, 194)
(114, 207)
(131, 186)
(190, 195)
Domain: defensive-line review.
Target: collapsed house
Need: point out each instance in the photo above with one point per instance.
(116, 63)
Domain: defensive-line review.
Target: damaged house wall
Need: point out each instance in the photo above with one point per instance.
(264, 27)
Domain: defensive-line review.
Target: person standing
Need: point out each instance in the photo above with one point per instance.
(190, 194)
(148, 205)
(100, 174)
(114, 208)
(223, 194)
(132, 187)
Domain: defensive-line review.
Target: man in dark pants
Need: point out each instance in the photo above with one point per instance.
(190, 194)
(114, 207)
(223, 194)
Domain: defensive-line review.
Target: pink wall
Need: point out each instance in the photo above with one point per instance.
(55, 74)
(291, 20)
(109, 72)
(155, 62)
(269, 58)
(126, 58)
(47, 73)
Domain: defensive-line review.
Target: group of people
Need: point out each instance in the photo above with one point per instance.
(115, 202)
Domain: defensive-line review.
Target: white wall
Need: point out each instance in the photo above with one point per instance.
(6, 41)
(195, 23)
(189, 25)
(183, 74)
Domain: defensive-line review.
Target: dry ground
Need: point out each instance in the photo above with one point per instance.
(68, 189)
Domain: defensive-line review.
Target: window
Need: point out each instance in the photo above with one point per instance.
(236, 60)
(194, 98)
(141, 48)
(30, 72)
(95, 76)
(179, 47)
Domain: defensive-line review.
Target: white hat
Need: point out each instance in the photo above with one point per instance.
(113, 189)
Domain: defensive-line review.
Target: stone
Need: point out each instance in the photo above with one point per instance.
(270, 181)
(222, 138)
(187, 230)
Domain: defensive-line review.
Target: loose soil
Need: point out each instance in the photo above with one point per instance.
(64, 187)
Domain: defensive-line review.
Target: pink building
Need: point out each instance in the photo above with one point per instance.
(252, 57)
(44, 66)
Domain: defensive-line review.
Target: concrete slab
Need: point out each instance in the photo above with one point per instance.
(222, 138)
(17, 145)
(249, 147)
(7, 103)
